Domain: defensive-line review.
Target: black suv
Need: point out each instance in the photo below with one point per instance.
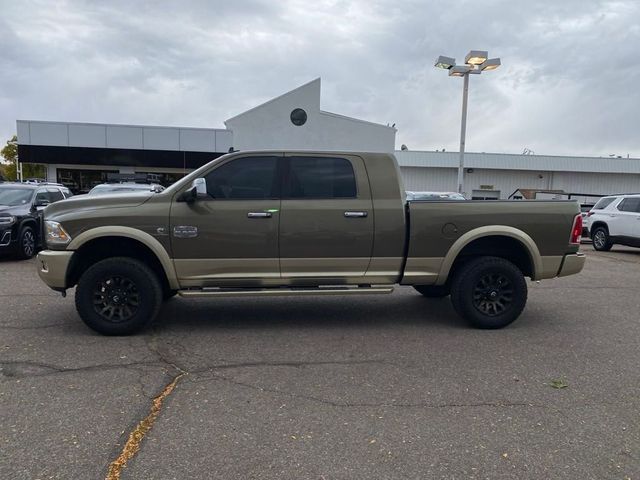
(21, 206)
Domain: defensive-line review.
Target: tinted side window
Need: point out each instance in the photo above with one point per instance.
(603, 203)
(244, 179)
(55, 195)
(629, 205)
(320, 177)
(41, 196)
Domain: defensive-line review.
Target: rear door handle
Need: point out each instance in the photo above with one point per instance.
(355, 214)
(259, 215)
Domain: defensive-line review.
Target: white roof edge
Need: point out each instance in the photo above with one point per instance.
(96, 124)
(318, 79)
(488, 161)
(367, 122)
(451, 152)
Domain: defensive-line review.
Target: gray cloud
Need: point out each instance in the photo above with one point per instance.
(568, 84)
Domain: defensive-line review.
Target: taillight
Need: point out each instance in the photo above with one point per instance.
(576, 230)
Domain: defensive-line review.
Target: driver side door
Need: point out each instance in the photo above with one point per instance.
(230, 237)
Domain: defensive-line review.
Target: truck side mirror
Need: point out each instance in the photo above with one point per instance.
(200, 185)
(197, 190)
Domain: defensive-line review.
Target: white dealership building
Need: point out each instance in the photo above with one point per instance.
(81, 155)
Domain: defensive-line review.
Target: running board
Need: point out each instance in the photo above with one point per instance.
(283, 291)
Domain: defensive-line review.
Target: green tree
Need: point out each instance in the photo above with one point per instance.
(10, 155)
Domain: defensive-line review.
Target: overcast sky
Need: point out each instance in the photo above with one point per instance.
(569, 81)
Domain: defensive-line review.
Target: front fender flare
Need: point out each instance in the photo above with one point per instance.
(143, 237)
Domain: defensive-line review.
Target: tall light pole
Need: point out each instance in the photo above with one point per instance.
(475, 62)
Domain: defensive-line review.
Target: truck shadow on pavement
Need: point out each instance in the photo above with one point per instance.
(310, 312)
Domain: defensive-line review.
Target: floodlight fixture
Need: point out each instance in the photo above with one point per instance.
(490, 64)
(476, 62)
(476, 57)
(445, 62)
(459, 70)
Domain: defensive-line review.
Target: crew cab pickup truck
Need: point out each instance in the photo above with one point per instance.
(294, 223)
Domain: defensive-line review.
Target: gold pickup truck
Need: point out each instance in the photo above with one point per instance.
(300, 223)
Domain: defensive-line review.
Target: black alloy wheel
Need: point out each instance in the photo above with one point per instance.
(27, 243)
(493, 294)
(118, 296)
(116, 299)
(601, 240)
(488, 292)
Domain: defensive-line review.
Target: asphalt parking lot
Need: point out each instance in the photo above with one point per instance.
(363, 387)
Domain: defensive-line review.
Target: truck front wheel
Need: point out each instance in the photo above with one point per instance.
(118, 296)
(489, 292)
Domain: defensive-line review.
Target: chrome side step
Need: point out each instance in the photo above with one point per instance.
(283, 291)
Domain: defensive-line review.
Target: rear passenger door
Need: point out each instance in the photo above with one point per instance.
(326, 217)
(634, 217)
(626, 217)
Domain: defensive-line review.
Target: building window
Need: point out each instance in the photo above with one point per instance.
(485, 195)
(81, 181)
(298, 117)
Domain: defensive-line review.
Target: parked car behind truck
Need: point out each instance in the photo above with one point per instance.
(273, 223)
(21, 209)
(614, 220)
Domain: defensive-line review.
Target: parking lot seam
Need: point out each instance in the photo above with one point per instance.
(135, 438)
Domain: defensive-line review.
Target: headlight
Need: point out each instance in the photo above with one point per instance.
(56, 235)
(7, 220)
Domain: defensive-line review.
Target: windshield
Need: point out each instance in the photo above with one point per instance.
(15, 196)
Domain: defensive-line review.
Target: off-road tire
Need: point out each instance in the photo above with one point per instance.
(601, 240)
(27, 242)
(433, 291)
(489, 292)
(123, 287)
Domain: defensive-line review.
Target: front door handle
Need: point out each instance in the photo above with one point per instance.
(355, 214)
(259, 214)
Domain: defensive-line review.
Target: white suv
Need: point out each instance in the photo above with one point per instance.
(615, 220)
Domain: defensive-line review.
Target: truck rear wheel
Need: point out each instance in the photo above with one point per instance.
(489, 292)
(433, 291)
(118, 296)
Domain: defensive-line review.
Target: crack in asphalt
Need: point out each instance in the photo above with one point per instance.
(375, 405)
(21, 369)
(35, 327)
(137, 435)
(135, 438)
(294, 364)
(154, 348)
